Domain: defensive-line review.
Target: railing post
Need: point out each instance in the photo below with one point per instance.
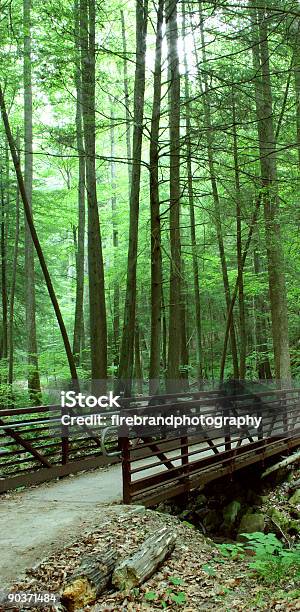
(285, 420)
(227, 433)
(260, 414)
(184, 443)
(126, 467)
(64, 439)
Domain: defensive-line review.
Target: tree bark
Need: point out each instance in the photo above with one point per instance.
(156, 258)
(127, 345)
(78, 320)
(174, 343)
(3, 272)
(138, 360)
(268, 164)
(13, 284)
(115, 241)
(126, 100)
(262, 359)
(89, 580)
(294, 32)
(235, 292)
(184, 354)
(34, 385)
(192, 209)
(98, 326)
(136, 569)
(240, 280)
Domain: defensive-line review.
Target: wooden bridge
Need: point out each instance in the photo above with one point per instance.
(158, 464)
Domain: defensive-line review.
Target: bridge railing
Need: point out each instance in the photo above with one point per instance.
(30, 452)
(168, 465)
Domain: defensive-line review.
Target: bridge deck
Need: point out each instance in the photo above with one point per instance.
(162, 463)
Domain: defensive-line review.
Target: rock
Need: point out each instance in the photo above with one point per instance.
(230, 513)
(294, 528)
(278, 518)
(251, 523)
(279, 522)
(212, 520)
(256, 499)
(295, 499)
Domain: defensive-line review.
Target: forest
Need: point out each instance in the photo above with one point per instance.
(149, 179)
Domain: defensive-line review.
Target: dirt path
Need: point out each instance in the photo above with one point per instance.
(42, 519)
(35, 522)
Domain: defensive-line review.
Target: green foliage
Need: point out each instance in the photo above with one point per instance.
(232, 551)
(170, 596)
(270, 560)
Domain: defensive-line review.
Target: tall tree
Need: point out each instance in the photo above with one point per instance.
(78, 321)
(240, 279)
(192, 207)
(215, 191)
(127, 345)
(174, 342)
(269, 178)
(115, 239)
(13, 282)
(3, 243)
(156, 258)
(126, 99)
(34, 385)
(98, 327)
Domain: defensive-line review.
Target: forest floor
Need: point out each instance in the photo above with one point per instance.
(35, 521)
(195, 572)
(47, 530)
(38, 520)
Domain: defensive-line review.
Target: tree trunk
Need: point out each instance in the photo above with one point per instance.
(78, 321)
(127, 345)
(89, 580)
(192, 209)
(3, 272)
(156, 259)
(174, 344)
(268, 164)
(138, 360)
(262, 359)
(217, 206)
(184, 355)
(164, 331)
(126, 101)
(13, 285)
(34, 385)
(235, 292)
(115, 241)
(240, 280)
(36, 242)
(98, 329)
(294, 31)
(136, 569)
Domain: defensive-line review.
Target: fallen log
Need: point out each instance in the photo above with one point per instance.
(281, 464)
(136, 569)
(89, 580)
